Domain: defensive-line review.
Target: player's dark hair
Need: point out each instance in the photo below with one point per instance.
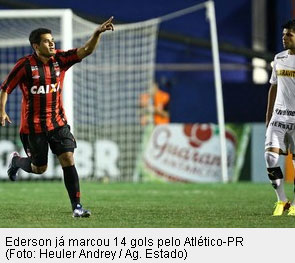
(289, 25)
(35, 36)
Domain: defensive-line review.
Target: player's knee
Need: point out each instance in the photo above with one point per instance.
(66, 159)
(271, 159)
(39, 169)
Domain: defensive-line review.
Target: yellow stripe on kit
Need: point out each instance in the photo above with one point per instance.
(286, 73)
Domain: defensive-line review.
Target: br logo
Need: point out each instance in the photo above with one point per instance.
(197, 133)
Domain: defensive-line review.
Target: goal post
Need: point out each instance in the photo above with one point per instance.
(218, 88)
(66, 44)
(210, 11)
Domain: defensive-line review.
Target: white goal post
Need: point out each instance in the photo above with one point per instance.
(210, 7)
(218, 88)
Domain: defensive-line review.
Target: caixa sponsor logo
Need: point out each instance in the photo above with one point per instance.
(45, 89)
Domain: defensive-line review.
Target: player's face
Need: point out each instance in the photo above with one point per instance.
(47, 45)
(288, 39)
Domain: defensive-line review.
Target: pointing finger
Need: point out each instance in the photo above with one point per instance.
(110, 19)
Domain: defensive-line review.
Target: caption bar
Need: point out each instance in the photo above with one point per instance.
(112, 249)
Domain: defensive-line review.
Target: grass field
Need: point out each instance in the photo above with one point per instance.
(124, 205)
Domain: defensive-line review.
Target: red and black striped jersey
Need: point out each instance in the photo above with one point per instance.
(41, 85)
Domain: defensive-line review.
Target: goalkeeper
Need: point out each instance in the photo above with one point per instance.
(43, 121)
(280, 117)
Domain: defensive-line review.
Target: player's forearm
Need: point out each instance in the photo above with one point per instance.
(270, 103)
(92, 43)
(3, 100)
(3, 116)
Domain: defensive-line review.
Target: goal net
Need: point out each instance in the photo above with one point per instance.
(101, 94)
(107, 88)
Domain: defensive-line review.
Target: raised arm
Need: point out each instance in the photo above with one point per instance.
(272, 94)
(3, 115)
(93, 41)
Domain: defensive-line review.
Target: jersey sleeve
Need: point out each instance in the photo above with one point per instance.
(67, 58)
(273, 78)
(14, 77)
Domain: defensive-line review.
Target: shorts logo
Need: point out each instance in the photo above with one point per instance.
(49, 88)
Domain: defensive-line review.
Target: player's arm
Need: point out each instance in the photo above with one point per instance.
(272, 93)
(13, 79)
(93, 41)
(3, 115)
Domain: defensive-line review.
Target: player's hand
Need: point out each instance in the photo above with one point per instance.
(107, 25)
(3, 118)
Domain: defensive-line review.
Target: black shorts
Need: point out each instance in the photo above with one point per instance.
(60, 140)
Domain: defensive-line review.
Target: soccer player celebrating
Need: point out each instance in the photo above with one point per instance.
(43, 121)
(280, 117)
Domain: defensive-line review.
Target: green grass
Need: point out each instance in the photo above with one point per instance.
(124, 205)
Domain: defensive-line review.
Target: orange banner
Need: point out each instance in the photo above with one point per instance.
(289, 169)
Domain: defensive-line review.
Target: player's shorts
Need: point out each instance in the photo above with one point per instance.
(60, 140)
(280, 135)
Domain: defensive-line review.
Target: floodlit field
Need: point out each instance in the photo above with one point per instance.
(45, 204)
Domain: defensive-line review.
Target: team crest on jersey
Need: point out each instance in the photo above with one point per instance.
(56, 68)
(35, 72)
